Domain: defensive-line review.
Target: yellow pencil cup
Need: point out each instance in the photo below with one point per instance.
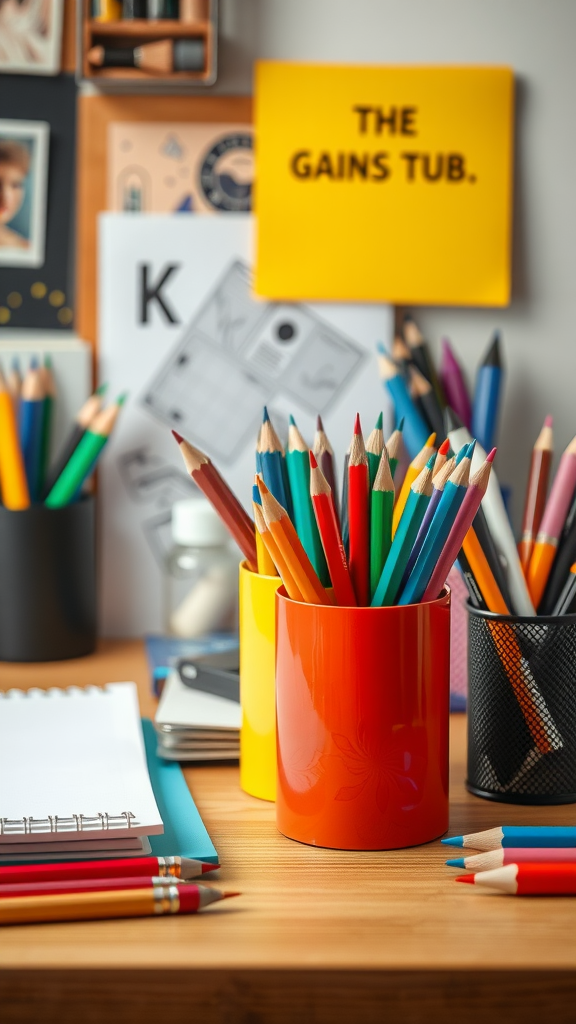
(257, 683)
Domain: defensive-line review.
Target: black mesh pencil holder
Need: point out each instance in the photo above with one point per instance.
(522, 708)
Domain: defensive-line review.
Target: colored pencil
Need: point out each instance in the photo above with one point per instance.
(330, 535)
(551, 836)
(422, 356)
(475, 564)
(168, 867)
(395, 446)
(49, 386)
(272, 464)
(450, 502)
(536, 491)
(298, 466)
(414, 469)
(439, 481)
(374, 447)
(513, 855)
(497, 517)
(564, 559)
(266, 566)
(442, 455)
(552, 523)
(151, 901)
(460, 527)
(344, 526)
(403, 541)
(275, 554)
(82, 461)
(31, 417)
(359, 516)
(280, 526)
(401, 354)
(13, 482)
(528, 879)
(381, 513)
(415, 428)
(215, 488)
(567, 601)
(454, 384)
(487, 395)
(14, 382)
(78, 885)
(82, 421)
(486, 541)
(325, 458)
(422, 390)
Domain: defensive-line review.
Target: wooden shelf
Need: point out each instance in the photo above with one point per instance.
(164, 28)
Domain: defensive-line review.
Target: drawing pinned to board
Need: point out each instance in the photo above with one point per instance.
(23, 182)
(180, 167)
(237, 354)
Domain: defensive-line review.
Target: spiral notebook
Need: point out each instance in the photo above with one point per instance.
(73, 771)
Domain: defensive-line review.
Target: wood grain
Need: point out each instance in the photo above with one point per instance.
(330, 935)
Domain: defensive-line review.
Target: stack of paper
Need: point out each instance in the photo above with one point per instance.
(73, 774)
(193, 725)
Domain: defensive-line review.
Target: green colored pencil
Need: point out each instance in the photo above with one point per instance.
(49, 385)
(381, 512)
(416, 504)
(394, 445)
(81, 462)
(298, 466)
(374, 446)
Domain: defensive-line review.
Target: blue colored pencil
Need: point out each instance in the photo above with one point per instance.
(518, 835)
(487, 393)
(412, 516)
(450, 502)
(415, 431)
(439, 481)
(31, 427)
(272, 464)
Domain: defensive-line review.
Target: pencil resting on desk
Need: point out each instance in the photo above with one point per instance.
(114, 867)
(527, 879)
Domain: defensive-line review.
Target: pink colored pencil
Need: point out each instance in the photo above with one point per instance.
(462, 523)
(454, 385)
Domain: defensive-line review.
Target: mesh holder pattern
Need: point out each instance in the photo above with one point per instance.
(522, 708)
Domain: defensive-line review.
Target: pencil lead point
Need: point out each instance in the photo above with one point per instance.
(451, 420)
(357, 427)
(122, 398)
(178, 437)
(444, 447)
(379, 422)
(492, 455)
(262, 486)
(548, 422)
(456, 862)
(313, 462)
(471, 448)
(465, 878)
(453, 841)
(319, 424)
(291, 420)
(431, 440)
(431, 461)
(380, 348)
(101, 389)
(400, 426)
(227, 895)
(265, 416)
(493, 356)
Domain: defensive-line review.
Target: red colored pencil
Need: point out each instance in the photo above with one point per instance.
(358, 516)
(231, 512)
(120, 867)
(330, 535)
(528, 879)
(85, 885)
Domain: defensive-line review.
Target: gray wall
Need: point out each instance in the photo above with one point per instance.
(536, 38)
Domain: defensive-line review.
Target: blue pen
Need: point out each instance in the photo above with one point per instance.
(517, 836)
(450, 502)
(31, 425)
(485, 409)
(415, 433)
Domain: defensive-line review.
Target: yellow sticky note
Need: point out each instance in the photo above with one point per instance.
(384, 183)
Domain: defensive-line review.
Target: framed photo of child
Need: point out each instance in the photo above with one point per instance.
(23, 184)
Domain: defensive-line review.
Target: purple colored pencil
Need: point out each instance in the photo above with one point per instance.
(454, 384)
(461, 525)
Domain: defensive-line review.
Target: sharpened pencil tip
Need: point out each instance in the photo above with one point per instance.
(379, 422)
(265, 416)
(492, 455)
(319, 424)
(122, 398)
(400, 426)
(357, 427)
(101, 389)
(313, 463)
(431, 440)
(291, 420)
(471, 448)
(178, 437)
(451, 420)
(431, 461)
(548, 422)
(573, 568)
(381, 348)
(227, 895)
(456, 862)
(453, 841)
(465, 878)
(443, 449)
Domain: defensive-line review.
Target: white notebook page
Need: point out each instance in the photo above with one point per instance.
(66, 752)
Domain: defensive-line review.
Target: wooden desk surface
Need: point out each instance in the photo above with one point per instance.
(334, 936)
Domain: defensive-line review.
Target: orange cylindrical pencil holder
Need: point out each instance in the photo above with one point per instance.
(362, 712)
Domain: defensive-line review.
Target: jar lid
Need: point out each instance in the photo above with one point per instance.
(196, 524)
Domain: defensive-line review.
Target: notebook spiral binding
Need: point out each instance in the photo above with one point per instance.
(75, 823)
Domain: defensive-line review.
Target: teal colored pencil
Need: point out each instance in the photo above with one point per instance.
(444, 516)
(298, 466)
(381, 513)
(272, 465)
(395, 445)
(374, 446)
(83, 459)
(406, 533)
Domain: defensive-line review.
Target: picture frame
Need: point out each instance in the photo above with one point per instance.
(31, 36)
(23, 188)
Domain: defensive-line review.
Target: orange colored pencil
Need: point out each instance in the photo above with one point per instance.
(290, 547)
(483, 575)
(231, 512)
(13, 483)
(273, 551)
(321, 494)
(359, 516)
(536, 491)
